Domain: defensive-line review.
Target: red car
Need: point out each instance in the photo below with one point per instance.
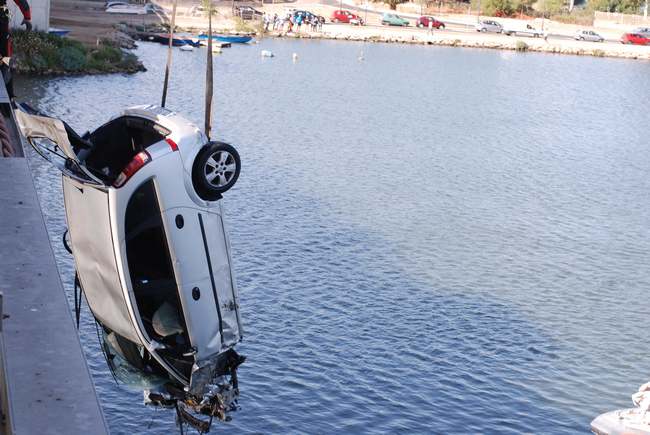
(635, 38)
(425, 20)
(342, 16)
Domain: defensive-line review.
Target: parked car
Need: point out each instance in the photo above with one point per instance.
(343, 16)
(393, 20)
(198, 11)
(588, 35)
(131, 9)
(635, 38)
(248, 13)
(308, 16)
(425, 20)
(528, 31)
(489, 26)
(146, 229)
(643, 31)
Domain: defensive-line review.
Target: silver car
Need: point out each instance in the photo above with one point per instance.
(588, 35)
(644, 31)
(489, 26)
(142, 199)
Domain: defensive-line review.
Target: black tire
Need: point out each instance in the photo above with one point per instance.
(442, 26)
(420, 25)
(217, 159)
(483, 30)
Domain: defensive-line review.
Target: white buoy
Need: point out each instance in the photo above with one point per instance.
(216, 49)
(266, 53)
(187, 48)
(295, 57)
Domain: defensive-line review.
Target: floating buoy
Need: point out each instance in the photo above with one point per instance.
(216, 49)
(266, 53)
(187, 48)
(295, 57)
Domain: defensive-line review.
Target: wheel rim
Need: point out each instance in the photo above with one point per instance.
(220, 168)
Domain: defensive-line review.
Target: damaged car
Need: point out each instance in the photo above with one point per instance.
(146, 228)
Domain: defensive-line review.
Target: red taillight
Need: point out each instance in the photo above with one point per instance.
(140, 159)
(172, 144)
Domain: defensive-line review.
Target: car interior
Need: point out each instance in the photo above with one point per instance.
(107, 150)
(152, 277)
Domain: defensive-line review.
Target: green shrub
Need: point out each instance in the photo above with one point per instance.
(41, 53)
(521, 46)
(598, 53)
(72, 59)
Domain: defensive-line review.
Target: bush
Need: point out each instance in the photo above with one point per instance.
(598, 53)
(42, 53)
(521, 46)
(72, 59)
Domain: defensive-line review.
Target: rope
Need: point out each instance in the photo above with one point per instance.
(5, 140)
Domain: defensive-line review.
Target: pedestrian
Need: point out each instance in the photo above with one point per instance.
(6, 47)
(430, 26)
(299, 21)
(291, 23)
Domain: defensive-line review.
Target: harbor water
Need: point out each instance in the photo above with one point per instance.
(431, 240)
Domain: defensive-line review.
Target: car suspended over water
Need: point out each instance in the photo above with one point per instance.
(142, 197)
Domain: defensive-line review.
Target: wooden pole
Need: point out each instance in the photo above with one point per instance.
(208, 79)
(169, 55)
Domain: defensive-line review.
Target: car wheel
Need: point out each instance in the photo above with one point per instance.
(215, 170)
(420, 25)
(335, 20)
(442, 26)
(582, 38)
(483, 30)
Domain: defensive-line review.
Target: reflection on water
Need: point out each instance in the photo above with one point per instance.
(431, 240)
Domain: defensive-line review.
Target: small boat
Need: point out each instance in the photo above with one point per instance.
(186, 47)
(234, 39)
(57, 32)
(632, 421)
(163, 38)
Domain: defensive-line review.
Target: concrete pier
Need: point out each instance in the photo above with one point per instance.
(46, 384)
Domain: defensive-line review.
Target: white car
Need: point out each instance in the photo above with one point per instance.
(142, 198)
(489, 26)
(588, 35)
(131, 9)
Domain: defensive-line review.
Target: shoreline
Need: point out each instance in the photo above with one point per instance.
(514, 44)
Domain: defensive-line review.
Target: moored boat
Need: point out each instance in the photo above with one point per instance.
(234, 39)
(58, 32)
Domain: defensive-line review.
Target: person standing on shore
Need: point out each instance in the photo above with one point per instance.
(430, 26)
(6, 48)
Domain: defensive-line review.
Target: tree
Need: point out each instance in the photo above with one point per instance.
(498, 8)
(550, 7)
(392, 3)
